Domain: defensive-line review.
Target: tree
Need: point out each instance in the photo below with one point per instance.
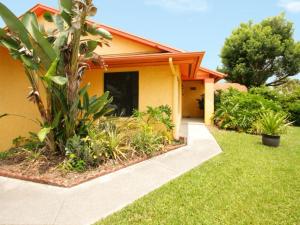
(58, 59)
(256, 52)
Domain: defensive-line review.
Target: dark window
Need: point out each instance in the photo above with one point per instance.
(124, 88)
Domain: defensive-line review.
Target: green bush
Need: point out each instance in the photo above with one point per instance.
(267, 93)
(158, 118)
(154, 129)
(117, 139)
(110, 138)
(4, 155)
(288, 99)
(239, 111)
(160, 115)
(147, 141)
(293, 108)
(291, 104)
(79, 155)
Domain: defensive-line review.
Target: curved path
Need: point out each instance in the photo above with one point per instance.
(23, 202)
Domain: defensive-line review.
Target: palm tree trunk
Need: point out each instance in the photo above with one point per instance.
(72, 74)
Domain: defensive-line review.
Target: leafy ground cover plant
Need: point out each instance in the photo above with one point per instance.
(154, 129)
(110, 140)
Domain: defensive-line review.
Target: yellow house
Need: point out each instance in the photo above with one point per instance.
(140, 73)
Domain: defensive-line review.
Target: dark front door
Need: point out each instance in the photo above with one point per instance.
(124, 88)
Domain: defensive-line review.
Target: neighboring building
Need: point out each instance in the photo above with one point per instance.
(140, 73)
(225, 86)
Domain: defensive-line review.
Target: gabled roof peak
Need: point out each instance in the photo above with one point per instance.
(39, 9)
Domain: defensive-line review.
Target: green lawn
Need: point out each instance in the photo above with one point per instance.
(247, 184)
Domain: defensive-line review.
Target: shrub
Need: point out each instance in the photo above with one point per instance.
(288, 99)
(291, 104)
(272, 123)
(158, 118)
(114, 138)
(4, 155)
(267, 93)
(147, 141)
(110, 139)
(239, 111)
(293, 108)
(79, 155)
(160, 115)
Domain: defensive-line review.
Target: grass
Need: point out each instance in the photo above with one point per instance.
(247, 184)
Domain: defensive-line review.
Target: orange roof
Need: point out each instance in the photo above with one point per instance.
(203, 73)
(39, 9)
(189, 62)
(213, 72)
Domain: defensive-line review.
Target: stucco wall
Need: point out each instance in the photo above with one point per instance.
(209, 85)
(191, 91)
(13, 92)
(157, 86)
(120, 45)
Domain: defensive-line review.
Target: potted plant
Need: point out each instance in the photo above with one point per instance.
(201, 102)
(271, 125)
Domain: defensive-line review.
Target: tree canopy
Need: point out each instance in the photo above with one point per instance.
(256, 52)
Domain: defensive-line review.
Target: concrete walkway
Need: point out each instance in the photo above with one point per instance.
(23, 202)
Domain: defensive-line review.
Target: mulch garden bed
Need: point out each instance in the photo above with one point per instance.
(46, 169)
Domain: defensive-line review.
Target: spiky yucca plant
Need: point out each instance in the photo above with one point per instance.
(272, 123)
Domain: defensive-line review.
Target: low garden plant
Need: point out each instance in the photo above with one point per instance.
(271, 123)
(110, 141)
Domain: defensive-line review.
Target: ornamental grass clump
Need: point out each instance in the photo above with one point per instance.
(272, 123)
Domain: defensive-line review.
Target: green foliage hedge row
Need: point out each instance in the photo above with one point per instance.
(289, 100)
(239, 111)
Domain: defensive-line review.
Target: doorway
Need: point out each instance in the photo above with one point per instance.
(193, 99)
